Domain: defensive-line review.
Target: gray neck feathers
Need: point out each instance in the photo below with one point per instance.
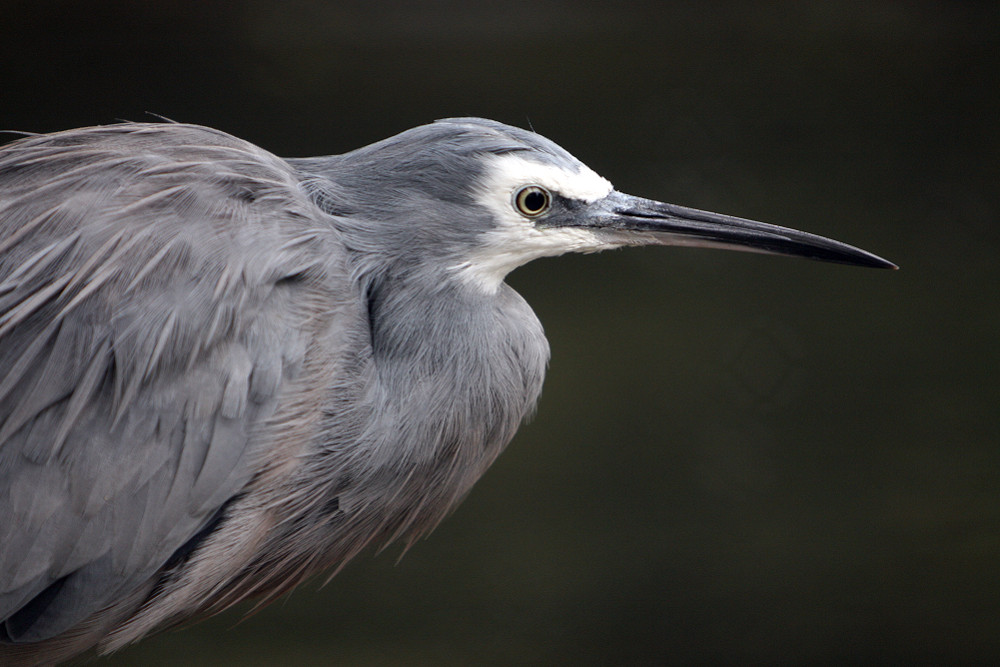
(453, 374)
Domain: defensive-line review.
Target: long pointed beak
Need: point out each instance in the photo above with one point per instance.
(633, 220)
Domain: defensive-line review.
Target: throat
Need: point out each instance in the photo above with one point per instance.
(512, 245)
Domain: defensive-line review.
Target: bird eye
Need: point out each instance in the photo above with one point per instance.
(532, 200)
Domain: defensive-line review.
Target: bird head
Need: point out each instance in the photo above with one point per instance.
(489, 198)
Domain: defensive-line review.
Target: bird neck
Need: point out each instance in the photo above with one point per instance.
(457, 372)
(452, 372)
(457, 348)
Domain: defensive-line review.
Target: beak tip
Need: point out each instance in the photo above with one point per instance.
(877, 262)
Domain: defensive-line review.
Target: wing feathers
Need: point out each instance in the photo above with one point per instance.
(142, 338)
(24, 362)
(82, 394)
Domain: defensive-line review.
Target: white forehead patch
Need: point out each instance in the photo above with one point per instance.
(507, 173)
(516, 240)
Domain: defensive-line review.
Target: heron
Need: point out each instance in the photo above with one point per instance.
(223, 372)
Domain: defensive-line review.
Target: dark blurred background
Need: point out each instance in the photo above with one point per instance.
(737, 458)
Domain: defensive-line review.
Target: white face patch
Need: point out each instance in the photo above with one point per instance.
(508, 173)
(516, 240)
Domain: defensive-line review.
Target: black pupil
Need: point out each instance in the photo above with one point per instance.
(534, 201)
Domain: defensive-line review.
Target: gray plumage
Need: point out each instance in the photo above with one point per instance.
(222, 372)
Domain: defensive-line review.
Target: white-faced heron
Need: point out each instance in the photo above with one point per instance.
(222, 372)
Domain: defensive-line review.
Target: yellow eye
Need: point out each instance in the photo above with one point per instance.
(532, 200)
